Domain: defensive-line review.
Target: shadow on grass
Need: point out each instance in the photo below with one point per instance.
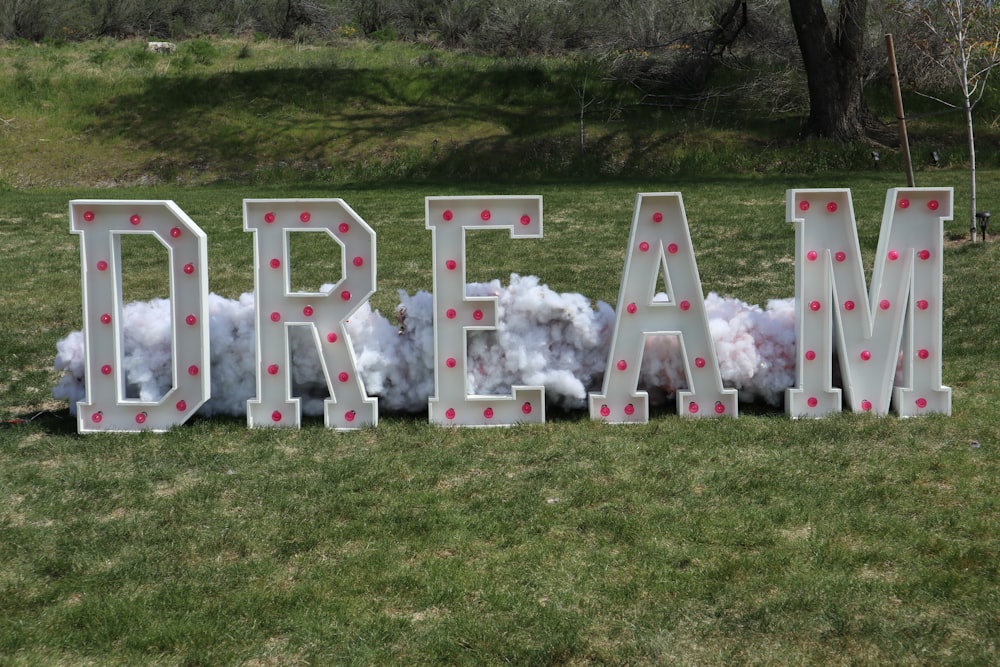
(228, 122)
(518, 121)
(52, 422)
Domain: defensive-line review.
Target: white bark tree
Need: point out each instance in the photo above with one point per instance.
(962, 37)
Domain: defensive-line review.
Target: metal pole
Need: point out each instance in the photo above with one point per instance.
(897, 94)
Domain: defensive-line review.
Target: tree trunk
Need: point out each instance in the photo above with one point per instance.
(834, 70)
(971, 136)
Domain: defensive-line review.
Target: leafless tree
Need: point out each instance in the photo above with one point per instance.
(962, 38)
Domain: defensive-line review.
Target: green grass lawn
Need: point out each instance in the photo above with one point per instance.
(759, 540)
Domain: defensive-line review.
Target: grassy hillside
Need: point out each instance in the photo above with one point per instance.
(107, 113)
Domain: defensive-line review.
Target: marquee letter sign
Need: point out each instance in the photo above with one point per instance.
(101, 225)
(324, 313)
(898, 322)
(454, 313)
(660, 242)
(888, 337)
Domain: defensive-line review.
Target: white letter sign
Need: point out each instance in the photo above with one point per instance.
(661, 242)
(455, 313)
(101, 224)
(899, 321)
(277, 308)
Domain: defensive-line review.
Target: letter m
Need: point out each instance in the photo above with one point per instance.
(894, 326)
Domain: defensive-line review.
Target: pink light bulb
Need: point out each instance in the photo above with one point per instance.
(331, 337)
(451, 313)
(657, 217)
(866, 405)
(622, 365)
(451, 362)
(815, 305)
(924, 255)
(719, 408)
(488, 413)
(933, 204)
(477, 315)
(632, 308)
(893, 255)
(923, 353)
(885, 304)
(344, 227)
(189, 269)
(350, 416)
(810, 355)
(922, 304)
(193, 370)
(276, 416)
(643, 247)
(904, 203)
(140, 418)
(272, 369)
(308, 311)
(105, 318)
(832, 207)
(181, 406)
(485, 215)
(359, 261)
(345, 295)
(275, 263)
(97, 417)
(630, 409)
(191, 320)
(451, 265)
(102, 265)
(848, 305)
(804, 205)
(526, 408)
(449, 413)
(812, 402)
(672, 248)
(685, 305)
(106, 369)
(175, 232)
(275, 316)
(921, 403)
(840, 256)
(525, 220)
(693, 408)
(447, 216)
(88, 216)
(866, 355)
(605, 410)
(343, 376)
(699, 362)
(135, 219)
(305, 216)
(812, 255)
(269, 218)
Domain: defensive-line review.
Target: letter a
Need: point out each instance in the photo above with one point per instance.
(661, 242)
(324, 313)
(897, 322)
(102, 224)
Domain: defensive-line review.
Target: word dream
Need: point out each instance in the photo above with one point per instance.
(897, 322)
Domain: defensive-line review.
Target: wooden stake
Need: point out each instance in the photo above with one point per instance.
(897, 94)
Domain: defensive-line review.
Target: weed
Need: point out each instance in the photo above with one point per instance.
(202, 51)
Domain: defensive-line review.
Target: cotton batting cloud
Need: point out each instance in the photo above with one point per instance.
(542, 337)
